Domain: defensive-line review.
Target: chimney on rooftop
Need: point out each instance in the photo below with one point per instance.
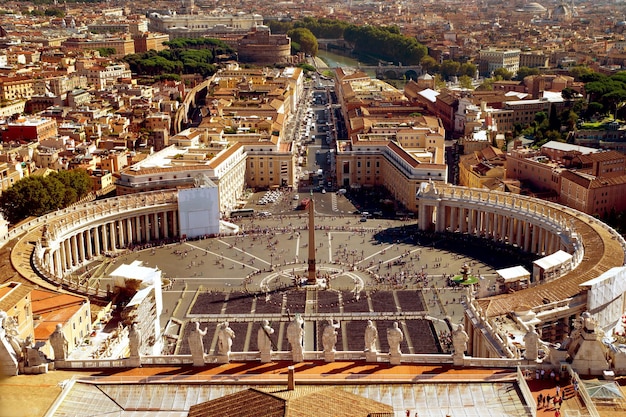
(291, 380)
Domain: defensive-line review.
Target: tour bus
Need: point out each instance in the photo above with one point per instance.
(304, 204)
(242, 213)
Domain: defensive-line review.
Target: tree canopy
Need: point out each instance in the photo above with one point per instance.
(305, 40)
(185, 56)
(385, 43)
(38, 195)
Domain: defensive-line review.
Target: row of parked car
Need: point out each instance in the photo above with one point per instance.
(270, 197)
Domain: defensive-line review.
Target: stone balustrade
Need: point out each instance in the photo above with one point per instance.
(381, 357)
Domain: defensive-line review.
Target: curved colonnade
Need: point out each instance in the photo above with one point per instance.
(75, 235)
(68, 238)
(534, 225)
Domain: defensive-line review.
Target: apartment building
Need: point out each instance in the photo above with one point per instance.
(491, 59)
(30, 129)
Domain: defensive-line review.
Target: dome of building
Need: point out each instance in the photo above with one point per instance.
(533, 8)
(561, 12)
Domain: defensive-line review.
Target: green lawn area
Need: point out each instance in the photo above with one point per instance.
(600, 124)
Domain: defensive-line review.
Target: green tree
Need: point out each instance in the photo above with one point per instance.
(580, 72)
(466, 82)
(449, 69)
(524, 72)
(487, 85)
(105, 52)
(305, 38)
(468, 69)
(38, 195)
(429, 64)
(54, 13)
(439, 82)
(503, 73)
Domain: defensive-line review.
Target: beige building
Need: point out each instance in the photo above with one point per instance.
(13, 88)
(73, 312)
(491, 59)
(100, 76)
(483, 169)
(122, 46)
(15, 300)
(398, 158)
(179, 166)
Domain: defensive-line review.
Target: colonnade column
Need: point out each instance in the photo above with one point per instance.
(88, 244)
(166, 226)
(119, 226)
(453, 219)
(533, 244)
(138, 235)
(146, 220)
(105, 240)
(129, 231)
(156, 227)
(58, 265)
(113, 234)
(67, 257)
(81, 246)
(74, 246)
(96, 241)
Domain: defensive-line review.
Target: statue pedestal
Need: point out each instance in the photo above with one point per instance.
(223, 359)
(133, 362)
(297, 356)
(371, 356)
(198, 360)
(458, 359)
(59, 364)
(329, 356)
(266, 357)
(34, 370)
(395, 359)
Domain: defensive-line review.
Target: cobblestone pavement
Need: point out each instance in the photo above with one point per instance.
(362, 257)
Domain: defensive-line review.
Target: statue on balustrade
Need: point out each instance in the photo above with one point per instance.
(329, 337)
(263, 337)
(394, 338)
(371, 336)
(295, 336)
(196, 344)
(225, 338)
(459, 340)
(531, 344)
(134, 340)
(59, 343)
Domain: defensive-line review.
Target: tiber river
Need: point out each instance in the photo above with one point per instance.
(334, 60)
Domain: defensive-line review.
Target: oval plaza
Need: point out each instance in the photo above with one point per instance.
(531, 319)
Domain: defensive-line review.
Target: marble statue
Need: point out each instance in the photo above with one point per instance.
(394, 338)
(9, 365)
(329, 336)
(263, 340)
(225, 338)
(134, 340)
(59, 343)
(531, 343)
(295, 336)
(371, 336)
(196, 344)
(459, 340)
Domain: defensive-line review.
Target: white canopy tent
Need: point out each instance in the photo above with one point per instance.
(552, 266)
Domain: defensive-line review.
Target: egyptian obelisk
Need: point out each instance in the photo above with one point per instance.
(312, 275)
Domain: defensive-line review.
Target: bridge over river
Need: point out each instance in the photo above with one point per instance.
(383, 71)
